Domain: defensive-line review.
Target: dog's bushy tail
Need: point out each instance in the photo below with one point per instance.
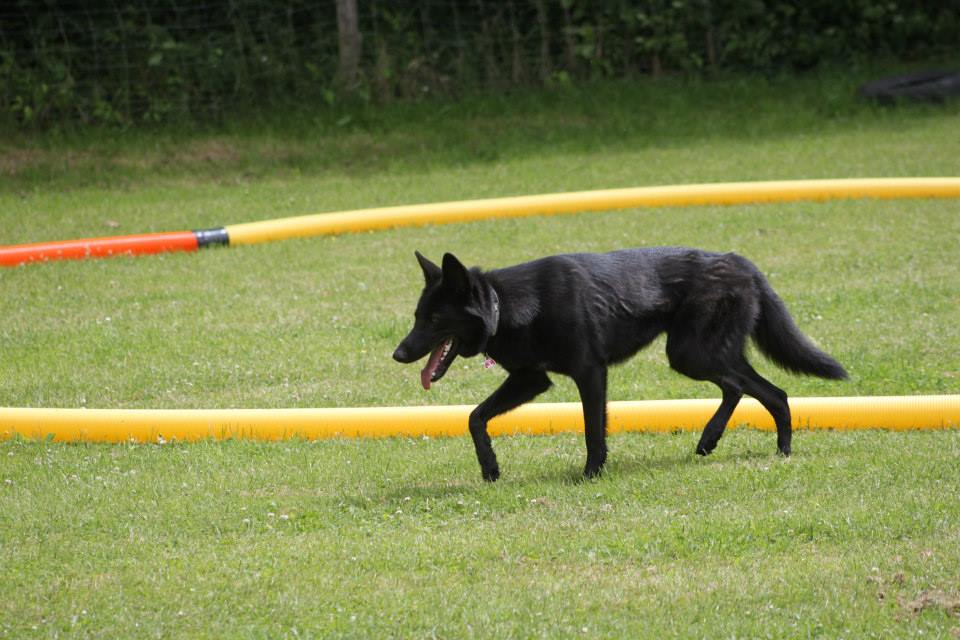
(779, 338)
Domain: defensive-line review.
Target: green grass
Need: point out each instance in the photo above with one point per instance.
(401, 538)
(856, 535)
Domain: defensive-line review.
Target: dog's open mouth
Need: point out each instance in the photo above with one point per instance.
(439, 362)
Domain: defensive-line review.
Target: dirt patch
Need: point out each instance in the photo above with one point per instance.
(14, 162)
(928, 599)
(213, 151)
(949, 602)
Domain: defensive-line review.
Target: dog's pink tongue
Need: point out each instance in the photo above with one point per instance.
(427, 372)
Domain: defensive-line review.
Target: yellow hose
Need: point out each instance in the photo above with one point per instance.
(581, 201)
(142, 425)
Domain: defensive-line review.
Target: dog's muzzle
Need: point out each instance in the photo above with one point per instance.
(402, 355)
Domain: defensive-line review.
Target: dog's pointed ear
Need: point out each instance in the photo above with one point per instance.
(431, 271)
(455, 275)
(485, 304)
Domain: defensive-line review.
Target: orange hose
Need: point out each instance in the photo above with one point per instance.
(98, 247)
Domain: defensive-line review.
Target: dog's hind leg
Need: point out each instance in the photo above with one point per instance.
(690, 357)
(593, 395)
(519, 387)
(773, 399)
(716, 425)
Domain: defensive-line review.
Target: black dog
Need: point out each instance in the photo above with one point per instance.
(578, 314)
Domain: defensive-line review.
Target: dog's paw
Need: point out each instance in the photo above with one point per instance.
(592, 471)
(784, 451)
(490, 474)
(705, 449)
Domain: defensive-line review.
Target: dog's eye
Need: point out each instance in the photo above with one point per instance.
(434, 318)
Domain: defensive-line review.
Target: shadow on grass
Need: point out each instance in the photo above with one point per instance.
(600, 116)
(470, 484)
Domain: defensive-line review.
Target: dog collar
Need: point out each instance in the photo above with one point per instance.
(488, 361)
(496, 310)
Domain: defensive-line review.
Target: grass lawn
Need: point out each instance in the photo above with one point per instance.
(858, 534)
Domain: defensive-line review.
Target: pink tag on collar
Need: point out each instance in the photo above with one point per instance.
(489, 362)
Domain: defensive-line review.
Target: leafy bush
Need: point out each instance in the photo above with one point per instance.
(163, 60)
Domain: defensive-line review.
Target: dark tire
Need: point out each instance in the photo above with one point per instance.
(924, 86)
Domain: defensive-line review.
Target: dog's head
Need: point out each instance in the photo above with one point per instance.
(457, 313)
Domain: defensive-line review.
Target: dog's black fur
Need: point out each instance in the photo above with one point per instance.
(577, 314)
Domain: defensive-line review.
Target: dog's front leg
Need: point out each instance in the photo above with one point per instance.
(519, 387)
(593, 394)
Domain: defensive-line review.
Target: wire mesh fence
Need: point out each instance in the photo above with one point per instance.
(124, 61)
